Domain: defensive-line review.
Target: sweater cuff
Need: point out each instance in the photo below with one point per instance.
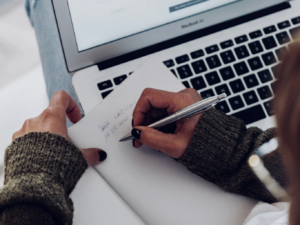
(213, 136)
(48, 154)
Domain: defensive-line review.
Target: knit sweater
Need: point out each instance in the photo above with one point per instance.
(42, 169)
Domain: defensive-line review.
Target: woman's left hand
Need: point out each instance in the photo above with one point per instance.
(53, 120)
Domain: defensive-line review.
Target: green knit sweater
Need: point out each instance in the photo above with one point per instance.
(42, 169)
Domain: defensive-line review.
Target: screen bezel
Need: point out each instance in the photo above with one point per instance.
(76, 60)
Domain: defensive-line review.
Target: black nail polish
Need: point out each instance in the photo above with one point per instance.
(136, 133)
(132, 122)
(102, 156)
(133, 143)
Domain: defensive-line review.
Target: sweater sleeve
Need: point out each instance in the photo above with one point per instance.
(219, 152)
(41, 171)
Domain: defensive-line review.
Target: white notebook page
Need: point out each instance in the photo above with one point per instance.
(154, 185)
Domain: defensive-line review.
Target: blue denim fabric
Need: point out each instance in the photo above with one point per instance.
(55, 72)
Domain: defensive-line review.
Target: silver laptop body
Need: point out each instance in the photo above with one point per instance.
(213, 46)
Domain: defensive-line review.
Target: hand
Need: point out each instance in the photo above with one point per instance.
(146, 111)
(53, 120)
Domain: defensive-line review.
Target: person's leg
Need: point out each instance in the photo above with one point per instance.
(56, 76)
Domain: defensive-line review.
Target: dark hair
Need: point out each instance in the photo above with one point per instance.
(287, 109)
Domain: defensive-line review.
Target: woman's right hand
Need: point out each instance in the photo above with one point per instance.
(145, 113)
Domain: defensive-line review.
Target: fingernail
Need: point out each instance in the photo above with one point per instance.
(133, 142)
(102, 156)
(132, 122)
(136, 133)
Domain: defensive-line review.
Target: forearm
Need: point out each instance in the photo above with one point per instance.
(219, 150)
(41, 170)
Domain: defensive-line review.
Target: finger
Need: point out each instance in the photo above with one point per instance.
(136, 143)
(173, 145)
(64, 105)
(94, 156)
(152, 98)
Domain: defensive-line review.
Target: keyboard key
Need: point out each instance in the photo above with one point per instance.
(120, 79)
(212, 78)
(213, 61)
(186, 84)
(182, 59)
(226, 44)
(199, 66)
(104, 85)
(270, 29)
(294, 32)
(236, 102)
(173, 71)
(237, 86)
(275, 70)
(241, 68)
(198, 83)
(184, 71)
(227, 73)
(269, 42)
(250, 97)
(269, 58)
(281, 52)
(255, 34)
(296, 20)
(227, 57)
(168, 63)
(241, 52)
(284, 25)
(241, 39)
(211, 49)
(104, 94)
(255, 63)
(197, 54)
(207, 94)
(223, 89)
(255, 47)
(251, 81)
(265, 76)
(222, 106)
(251, 115)
(269, 109)
(264, 92)
(283, 38)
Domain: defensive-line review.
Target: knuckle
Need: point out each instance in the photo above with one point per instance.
(187, 97)
(48, 113)
(145, 92)
(27, 123)
(60, 94)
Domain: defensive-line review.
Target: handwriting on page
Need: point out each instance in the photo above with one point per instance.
(109, 127)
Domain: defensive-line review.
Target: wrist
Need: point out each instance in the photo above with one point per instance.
(45, 153)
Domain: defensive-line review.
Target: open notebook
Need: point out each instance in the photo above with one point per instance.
(144, 185)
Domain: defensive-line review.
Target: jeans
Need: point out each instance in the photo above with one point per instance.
(41, 15)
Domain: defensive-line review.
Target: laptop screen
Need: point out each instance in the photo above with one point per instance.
(98, 22)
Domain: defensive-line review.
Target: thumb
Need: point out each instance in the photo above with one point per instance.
(172, 144)
(94, 156)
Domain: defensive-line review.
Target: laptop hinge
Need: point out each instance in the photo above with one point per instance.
(191, 36)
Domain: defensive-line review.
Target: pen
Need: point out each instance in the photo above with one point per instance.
(187, 113)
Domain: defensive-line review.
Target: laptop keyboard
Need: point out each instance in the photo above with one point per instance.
(243, 68)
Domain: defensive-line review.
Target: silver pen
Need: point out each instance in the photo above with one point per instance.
(187, 113)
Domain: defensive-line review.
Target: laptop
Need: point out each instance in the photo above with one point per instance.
(213, 46)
